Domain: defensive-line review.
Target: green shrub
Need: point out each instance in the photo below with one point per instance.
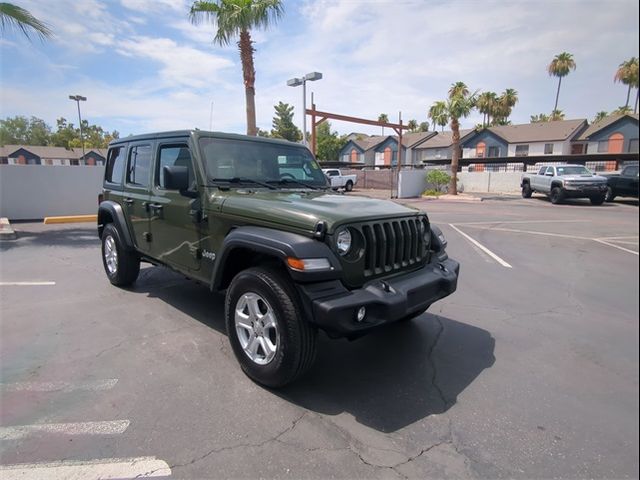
(438, 178)
(430, 192)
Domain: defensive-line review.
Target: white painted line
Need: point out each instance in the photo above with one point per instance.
(630, 237)
(615, 246)
(623, 242)
(82, 428)
(92, 385)
(108, 468)
(522, 221)
(482, 247)
(27, 284)
(531, 232)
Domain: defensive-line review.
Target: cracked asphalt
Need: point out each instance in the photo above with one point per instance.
(525, 372)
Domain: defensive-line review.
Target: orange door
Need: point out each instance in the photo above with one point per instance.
(616, 142)
(387, 156)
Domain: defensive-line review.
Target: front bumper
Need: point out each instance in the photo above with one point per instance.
(584, 191)
(334, 308)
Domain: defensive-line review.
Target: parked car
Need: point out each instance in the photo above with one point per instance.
(565, 181)
(338, 180)
(255, 218)
(623, 184)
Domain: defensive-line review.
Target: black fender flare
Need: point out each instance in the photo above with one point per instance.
(109, 208)
(280, 245)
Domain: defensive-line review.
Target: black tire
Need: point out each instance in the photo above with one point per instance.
(127, 265)
(557, 195)
(296, 345)
(598, 200)
(526, 191)
(349, 186)
(610, 195)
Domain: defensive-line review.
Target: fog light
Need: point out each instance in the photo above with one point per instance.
(362, 311)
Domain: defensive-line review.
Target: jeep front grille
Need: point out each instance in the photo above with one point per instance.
(393, 245)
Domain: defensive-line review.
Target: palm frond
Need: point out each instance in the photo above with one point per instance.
(12, 16)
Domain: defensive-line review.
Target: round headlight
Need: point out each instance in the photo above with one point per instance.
(343, 241)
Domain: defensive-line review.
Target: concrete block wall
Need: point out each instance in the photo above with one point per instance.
(30, 192)
(490, 182)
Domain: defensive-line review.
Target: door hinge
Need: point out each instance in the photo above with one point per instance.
(147, 236)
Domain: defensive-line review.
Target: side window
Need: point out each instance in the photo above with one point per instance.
(333, 173)
(115, 165)
(550, 171)
(139, 165)
(173, 155)
(542, 171)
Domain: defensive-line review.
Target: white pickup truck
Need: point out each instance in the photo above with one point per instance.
(565, 181)
(338, 180)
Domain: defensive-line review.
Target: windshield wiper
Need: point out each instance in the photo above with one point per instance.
(243, 180)
(284, 181)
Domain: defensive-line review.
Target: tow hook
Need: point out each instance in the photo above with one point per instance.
(443, 268)
(386, 287)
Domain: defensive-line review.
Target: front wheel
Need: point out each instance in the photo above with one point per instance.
(349, 186)
(122, 266)
(557, 195)
(610, 196)
(598, 200)
(526, 191)
(271, 340)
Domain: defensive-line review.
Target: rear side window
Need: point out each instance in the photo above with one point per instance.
(173, 155)
(542, 170)
(139, 165)
(115, 165)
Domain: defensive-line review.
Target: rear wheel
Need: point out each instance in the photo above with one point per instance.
(557, 195)
(271, 340)
(122, 266)
(526, 191)
(349, 186)
(597, 200)
(610, 196)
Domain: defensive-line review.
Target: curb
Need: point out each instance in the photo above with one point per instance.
(6, 232)
(453, 199)
(71, 219)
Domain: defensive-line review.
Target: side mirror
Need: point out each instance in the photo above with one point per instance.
(177, 178)
(549, 174)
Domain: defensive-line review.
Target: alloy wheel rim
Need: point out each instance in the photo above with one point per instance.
(110, 255)
(257, 328)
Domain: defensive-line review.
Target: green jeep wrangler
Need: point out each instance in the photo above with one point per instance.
(256, 218)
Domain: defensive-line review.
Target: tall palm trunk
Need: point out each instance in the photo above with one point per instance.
(249, 74)
(558, 93)
(635, 109)
(628, 95)
(455, 156)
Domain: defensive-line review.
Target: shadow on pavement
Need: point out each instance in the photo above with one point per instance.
(391, 378)
(78, 237)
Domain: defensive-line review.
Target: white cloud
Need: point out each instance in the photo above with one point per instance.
(151, 6)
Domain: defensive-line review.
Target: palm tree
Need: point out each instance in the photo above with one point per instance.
(383, 117)
(486, 102)
(599, 116)
(627, 74)
(556, 115)
(540, 118)
(412, 125)
(623, 110)
(438, 114)
(20, 19)
(237, 18)
(503, 106)
(560, 67)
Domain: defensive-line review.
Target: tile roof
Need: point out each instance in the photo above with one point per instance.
(443, 139)
(539, 132)
(605, 122)
(370, 142)
(51, 152)
(410, 139)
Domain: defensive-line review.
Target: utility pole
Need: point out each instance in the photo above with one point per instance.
(78, 99)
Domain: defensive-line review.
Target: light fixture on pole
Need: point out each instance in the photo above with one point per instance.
(296, 82)
(78, 99)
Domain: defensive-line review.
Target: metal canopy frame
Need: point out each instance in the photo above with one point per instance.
(318, 117)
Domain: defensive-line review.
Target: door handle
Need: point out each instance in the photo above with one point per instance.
(129, 201)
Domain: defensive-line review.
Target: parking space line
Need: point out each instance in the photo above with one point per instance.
(108, 468)
(92, 385)
(481, 247)
(27, 284)
(615, 246)
(81, 428)
(532, 232)
(521, 221)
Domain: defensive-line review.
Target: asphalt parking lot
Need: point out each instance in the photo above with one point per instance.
(530, 370)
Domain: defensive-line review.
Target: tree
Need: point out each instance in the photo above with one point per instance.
(423, 127)
(438, 178)
(383, 117)
(283, 126)
(236, 18)
(459, 104)
(541, 117)
(20, 19)
(486, 106)
(599, 116)
(412, 125)
(556, 116)
(68, 136)
(623, 110)
(503, 106)
(627, 74)
(22, 131)
(438, 114)
(329, 143)
(560, 67)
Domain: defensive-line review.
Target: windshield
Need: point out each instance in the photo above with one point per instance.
(244, 161)
(573, 170)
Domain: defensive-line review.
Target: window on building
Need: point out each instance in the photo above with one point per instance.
(548, 148)
(603, 146)
(173, 155)
(115, 165)
(633, 145)
(480, 149)
(493, 152)
(438, 153)
(577, 149)
(139, 164)
(522, 150)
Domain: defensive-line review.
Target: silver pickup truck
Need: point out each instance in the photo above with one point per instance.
(565, 181)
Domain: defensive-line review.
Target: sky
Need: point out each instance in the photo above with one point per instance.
(144, 67)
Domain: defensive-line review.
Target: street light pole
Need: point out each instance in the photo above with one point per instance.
(78, 99)
(211, 117)
(295, 82)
